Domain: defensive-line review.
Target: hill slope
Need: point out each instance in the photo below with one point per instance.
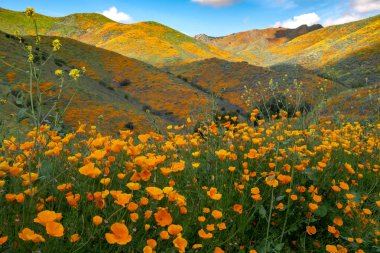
(150, 42)
(231, 79)
(120, 89)
(252, 45)
(348, 53)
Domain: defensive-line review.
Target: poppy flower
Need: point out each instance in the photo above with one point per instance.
(120, 234)
(218, 250)
(151, 243)
(155, 193)
(313, 207)
(3, 240)
(338, 221)
(74, 238)
(133, 186)
(164, 235)
(180, 243)
(213, 194)
(238, 208)
(174, 229)
(331, 248)
(54, 229)
(90, 170)
(29, 235)
(122, 199)
(202, 234)
(216, 214)
(163, 217)
(47, 216)
(311, 230)
(97, 220)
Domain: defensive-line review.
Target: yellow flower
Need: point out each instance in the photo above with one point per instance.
(58, 72)
(74, 74)
(56, 44)
(29, 12)
(30, 58)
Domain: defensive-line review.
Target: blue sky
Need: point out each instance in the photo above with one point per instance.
(212, 17)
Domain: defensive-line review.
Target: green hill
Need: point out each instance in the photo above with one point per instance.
(150, 42)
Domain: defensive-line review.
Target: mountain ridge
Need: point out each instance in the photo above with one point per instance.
(149, 41)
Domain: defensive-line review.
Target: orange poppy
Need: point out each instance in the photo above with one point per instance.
(120, 234)
(163, 217)
(54, 229)
(47, 216)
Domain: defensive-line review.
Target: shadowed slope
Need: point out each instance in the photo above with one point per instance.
(120, 89)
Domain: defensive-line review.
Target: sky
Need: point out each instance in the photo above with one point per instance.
(211, 17)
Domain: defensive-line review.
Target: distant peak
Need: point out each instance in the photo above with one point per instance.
(204, 37)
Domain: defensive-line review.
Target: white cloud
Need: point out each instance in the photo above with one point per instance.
(341, 20)
(116, 15)
(304, 19)
(215, 3)
(364, 6)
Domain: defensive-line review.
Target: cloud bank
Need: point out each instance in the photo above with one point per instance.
(304, 19)
(116, 15)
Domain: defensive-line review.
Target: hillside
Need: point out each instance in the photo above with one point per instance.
(347, 53)
(252, 45)
(229, 79)
(120, 89)
(150, 42)
(362, 104)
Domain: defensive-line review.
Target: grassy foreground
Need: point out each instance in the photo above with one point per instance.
(280, 186)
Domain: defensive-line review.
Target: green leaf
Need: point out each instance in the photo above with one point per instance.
(278, 247)
(22, 114)
(321, 211)
(262, 212)
(279, 198)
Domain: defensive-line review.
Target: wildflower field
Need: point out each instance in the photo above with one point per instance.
(280, 186)
(275, 180)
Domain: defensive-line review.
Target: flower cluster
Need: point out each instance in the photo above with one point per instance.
(277, 186)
